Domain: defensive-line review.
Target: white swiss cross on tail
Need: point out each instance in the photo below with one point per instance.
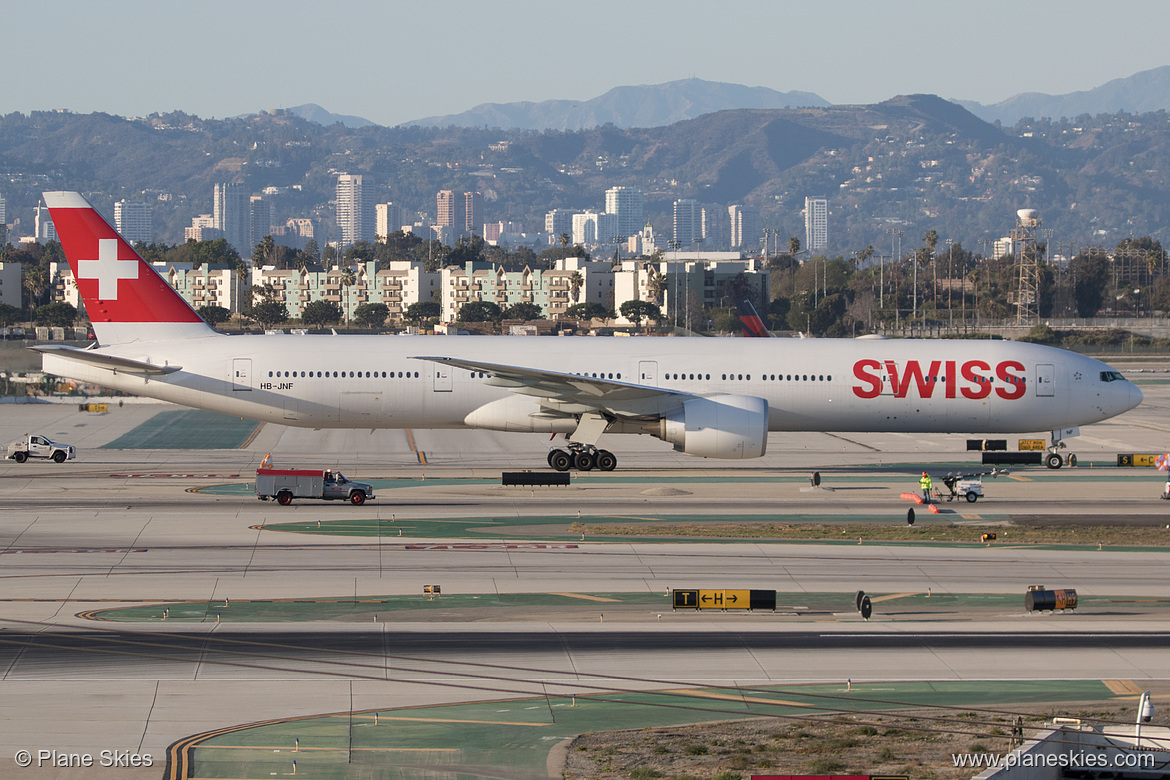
(107, 269)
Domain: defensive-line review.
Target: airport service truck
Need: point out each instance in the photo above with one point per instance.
(286, 484)
(36, 446)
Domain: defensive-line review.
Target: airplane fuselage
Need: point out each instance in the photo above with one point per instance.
(810, 384)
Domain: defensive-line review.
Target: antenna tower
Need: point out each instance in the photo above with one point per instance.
(1027, 254)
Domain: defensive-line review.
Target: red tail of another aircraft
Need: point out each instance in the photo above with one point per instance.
(753, 326)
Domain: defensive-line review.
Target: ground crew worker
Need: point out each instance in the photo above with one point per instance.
(927, 486)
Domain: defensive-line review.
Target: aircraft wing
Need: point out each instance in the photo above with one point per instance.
(574, 393)
(102, 360)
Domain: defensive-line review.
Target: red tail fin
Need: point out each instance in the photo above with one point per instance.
(125, 298)
(753, 326)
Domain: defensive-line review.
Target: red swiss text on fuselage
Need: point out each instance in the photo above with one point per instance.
(939, 379)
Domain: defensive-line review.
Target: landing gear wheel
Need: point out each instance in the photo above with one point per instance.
(20, 457)
(1072, 460)
(560, 460)
(550, 457)
(972, 498)
(1054, 461)
(584, 461)
(284, 498)
(357, 497)
(58, 457)
(606, 460)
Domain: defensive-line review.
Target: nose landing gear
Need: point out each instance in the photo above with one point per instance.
(1054, 459)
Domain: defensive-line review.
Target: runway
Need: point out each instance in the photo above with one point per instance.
(149, 527)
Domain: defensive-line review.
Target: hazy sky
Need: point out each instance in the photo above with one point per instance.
(392, 62)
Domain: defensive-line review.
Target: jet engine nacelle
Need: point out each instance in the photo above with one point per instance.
(721, 426)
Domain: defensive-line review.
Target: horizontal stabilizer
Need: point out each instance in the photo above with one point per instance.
(102, 360)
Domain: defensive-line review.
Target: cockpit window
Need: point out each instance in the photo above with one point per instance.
(1112, 376)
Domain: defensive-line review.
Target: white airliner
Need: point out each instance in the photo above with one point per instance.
(711, 397)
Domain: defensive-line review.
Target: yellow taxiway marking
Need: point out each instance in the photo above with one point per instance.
(583, 596)
(457, 720)
(280, 748)
(891, 597)
(1018, 479)
(422, 458)
(1123, 687)
(733, 697)
(971, 517)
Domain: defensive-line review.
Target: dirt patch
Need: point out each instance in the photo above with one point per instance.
(1151, 535)
(917, 743)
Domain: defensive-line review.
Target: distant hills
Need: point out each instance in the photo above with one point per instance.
(1140, 93)
(659, 105)
(315, 113)
(648, 105)
(912, 163)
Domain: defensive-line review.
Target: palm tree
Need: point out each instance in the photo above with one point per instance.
(348, 278)
(575, 282)
(565, 239)
(36, 281)
(793, 246)
(930, 238)
(656, 284)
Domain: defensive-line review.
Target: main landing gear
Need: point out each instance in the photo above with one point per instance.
(583, 458)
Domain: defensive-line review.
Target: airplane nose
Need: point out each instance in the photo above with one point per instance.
(1135, 396)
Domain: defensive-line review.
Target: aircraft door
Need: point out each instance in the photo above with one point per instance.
(442, 378)
(241, 373)
(1045, 380)
(648, 373)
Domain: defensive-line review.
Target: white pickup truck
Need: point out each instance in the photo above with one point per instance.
(36, 446)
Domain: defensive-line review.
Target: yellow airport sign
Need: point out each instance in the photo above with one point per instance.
(1139, 460)
(725, 599)
(1032, 444)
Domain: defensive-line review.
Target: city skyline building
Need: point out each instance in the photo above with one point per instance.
(387, 219)
(627, 205)
(259, 219)
(687, 223)
(556, 222)
(472, 213)
(43, 225)
(353, 223)
(231, 215)
(449, 210)
(816, 223)
(133, 221)
(744, 227)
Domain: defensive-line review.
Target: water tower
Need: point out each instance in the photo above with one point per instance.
(1027, 255)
